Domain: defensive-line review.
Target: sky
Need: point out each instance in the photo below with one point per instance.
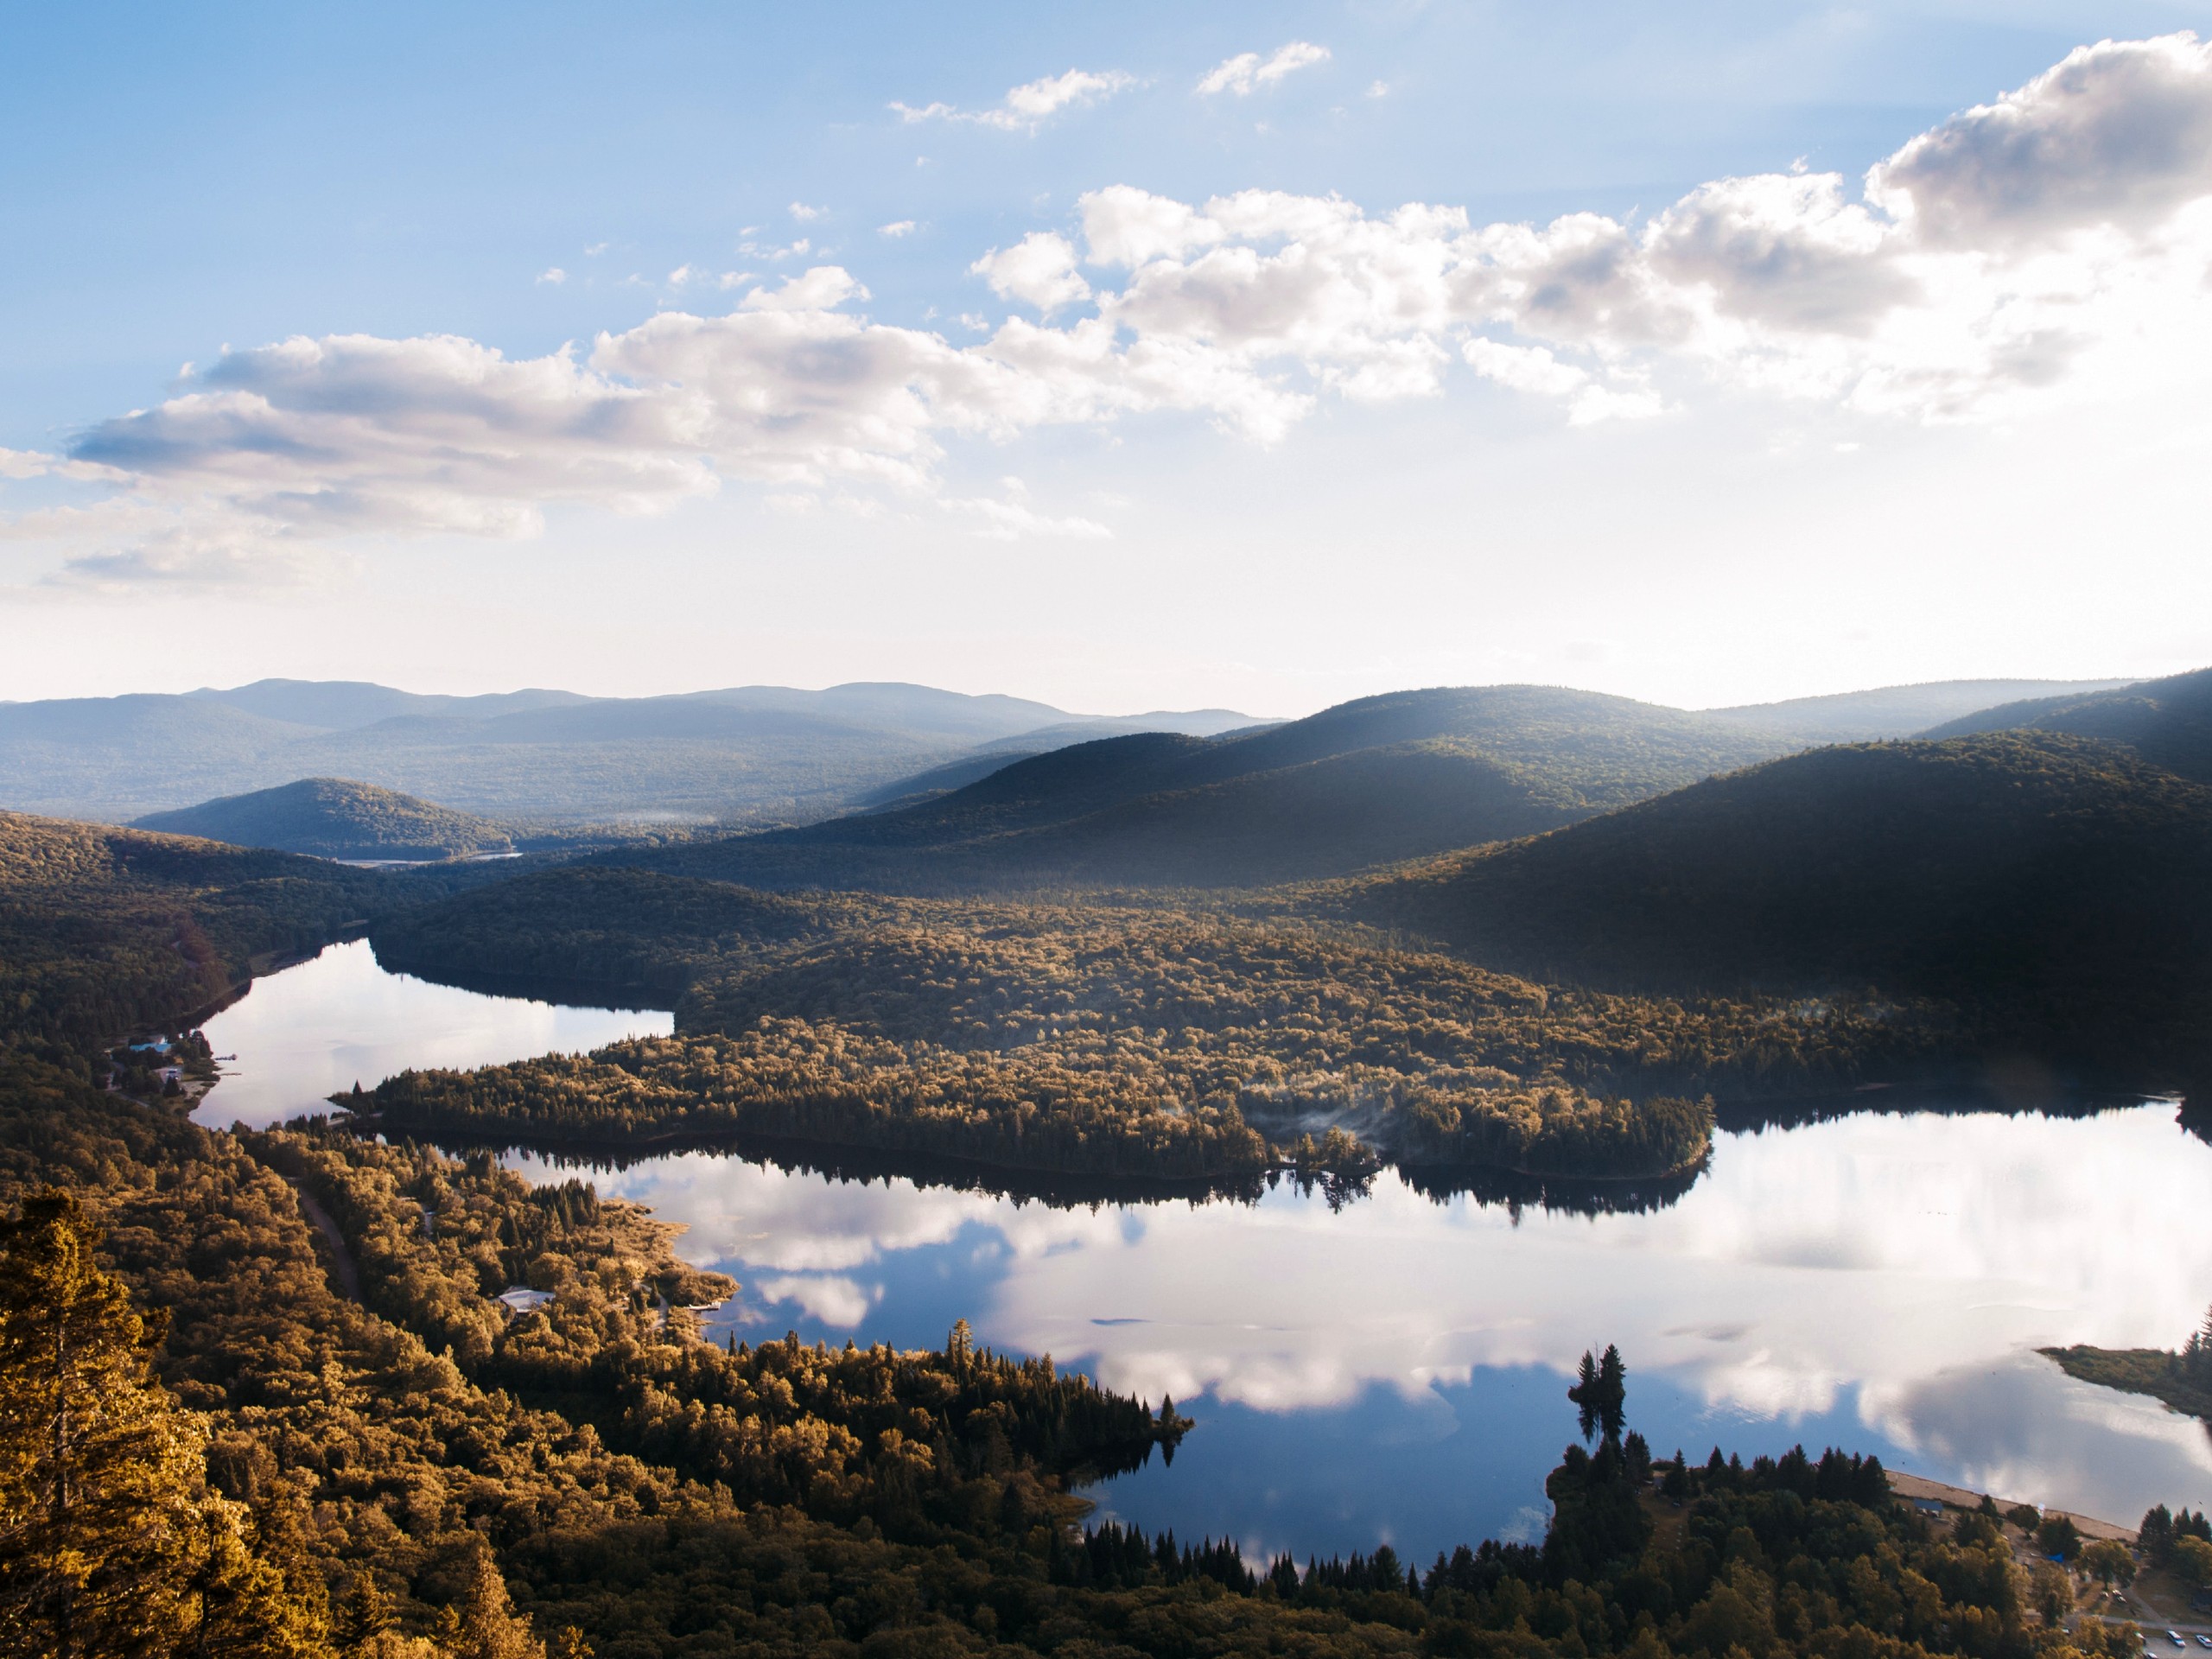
(1125, 358)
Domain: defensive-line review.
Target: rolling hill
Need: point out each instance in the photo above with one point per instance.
(2166, 721)
(1894, 710)
(1369, 782)
(336, 817)
(2060, 885)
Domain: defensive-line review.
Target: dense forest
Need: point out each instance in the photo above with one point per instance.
(2167, 722)
(257, 1395)
(106, 932)
(1155, 1038)
(2056, 890)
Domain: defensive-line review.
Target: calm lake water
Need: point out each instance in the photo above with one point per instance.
(1394, 1371)
(303, 1034)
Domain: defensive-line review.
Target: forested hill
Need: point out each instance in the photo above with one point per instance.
(2061, 887)
(105, 931)
(336, 817)
(2167, 721)
(1374, 781)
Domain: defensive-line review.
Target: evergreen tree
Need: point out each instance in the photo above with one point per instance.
(110, 1542)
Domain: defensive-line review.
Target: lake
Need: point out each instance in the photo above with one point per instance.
(1394, 1369)
(303, 1034)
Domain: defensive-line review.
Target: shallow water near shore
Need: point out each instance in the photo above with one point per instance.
(1394, 1369)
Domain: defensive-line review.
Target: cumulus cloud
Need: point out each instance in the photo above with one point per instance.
(1040, 270)
(897, 227)
(824, 288)
(2053, 243)
(2120, 135)
(1026, 107)
(1248, 70)
(553, 274)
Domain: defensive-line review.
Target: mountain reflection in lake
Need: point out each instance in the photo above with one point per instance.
(1394, 1369)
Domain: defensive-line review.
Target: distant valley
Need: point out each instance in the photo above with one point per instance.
(749, 754)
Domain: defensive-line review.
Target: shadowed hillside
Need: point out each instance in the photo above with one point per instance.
(336, 817)
(1374, 781)
(2061, 887)
(2166, 721)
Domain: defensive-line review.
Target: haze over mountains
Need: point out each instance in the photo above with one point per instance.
(1363, 783)
(2166, 721)
(335, 817)
(922, 791)
(751, 753)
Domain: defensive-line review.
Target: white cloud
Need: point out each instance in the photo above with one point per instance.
(682, 275)
(1040, 270)
(2050, 246)
(1010, 521)
(800, 210)
(1248, 70)
(824, 288)
(833, 1300)
(1026, 107)
(796, 250)
(897, 227)
(553, 274)
(2120, 134)
(1124, 225)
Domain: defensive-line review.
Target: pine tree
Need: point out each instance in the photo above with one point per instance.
(111, 1542)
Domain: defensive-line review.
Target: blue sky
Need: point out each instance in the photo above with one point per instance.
(1793, 480)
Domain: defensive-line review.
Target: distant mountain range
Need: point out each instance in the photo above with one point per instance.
(912, 789)
(1364, 783)
(751, 754)
(1895, 711)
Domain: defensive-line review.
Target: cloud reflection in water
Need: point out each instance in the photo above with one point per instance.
(1884, 1279)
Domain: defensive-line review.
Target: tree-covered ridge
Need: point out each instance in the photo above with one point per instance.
(336, 817)
(1164, 1041)
(1367, 781)
(107, 932)
(2058, 889)
(2167, 722)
